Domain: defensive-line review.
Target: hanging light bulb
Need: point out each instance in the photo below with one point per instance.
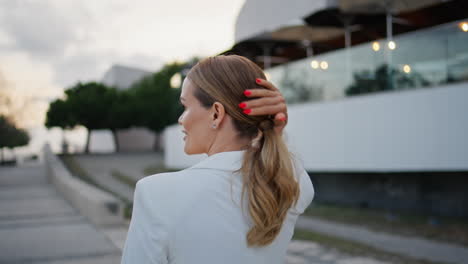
(391, 45)
(324, 65)
(314, 64)
(406, 68)
(463, 26)
(375, 46)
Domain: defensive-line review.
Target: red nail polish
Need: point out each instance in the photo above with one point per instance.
(258, 80)
(282, 118)
(247, 93)
(247, 111)
(242, 105)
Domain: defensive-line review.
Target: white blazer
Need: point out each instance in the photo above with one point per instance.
(194, 216)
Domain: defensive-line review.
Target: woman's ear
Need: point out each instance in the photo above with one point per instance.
(218, 112)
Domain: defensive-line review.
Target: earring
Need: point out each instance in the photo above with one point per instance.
(213, 126)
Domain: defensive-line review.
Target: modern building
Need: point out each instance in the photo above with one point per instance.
(122, 77)
(377, 92)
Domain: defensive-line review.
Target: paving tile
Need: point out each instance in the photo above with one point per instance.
(34, 207)
(49, 242)
(38, 226)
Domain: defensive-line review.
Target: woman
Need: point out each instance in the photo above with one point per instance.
(241, 203)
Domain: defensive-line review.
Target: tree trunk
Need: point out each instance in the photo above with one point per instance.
(87, 141)
(116, 140)
(14, 155)
(156, 145)
(64, 148)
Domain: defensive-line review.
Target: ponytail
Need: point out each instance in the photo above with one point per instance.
(269, 182)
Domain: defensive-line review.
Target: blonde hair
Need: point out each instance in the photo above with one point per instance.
(268, 175)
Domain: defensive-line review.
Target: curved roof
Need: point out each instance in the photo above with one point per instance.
(259, 16)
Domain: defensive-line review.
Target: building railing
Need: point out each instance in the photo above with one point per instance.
(424, 58)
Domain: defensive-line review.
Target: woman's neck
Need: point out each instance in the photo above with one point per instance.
(229, 144)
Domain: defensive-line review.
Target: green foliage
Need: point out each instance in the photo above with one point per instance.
(122, 110)
(59, 115)
(150, 102)
(156, 102)
(10, 135)
(90, 103)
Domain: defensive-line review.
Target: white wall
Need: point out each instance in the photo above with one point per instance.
(101, 141)
(136, 139)
(417, 130)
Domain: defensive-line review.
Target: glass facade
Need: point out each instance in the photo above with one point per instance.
(424, 58)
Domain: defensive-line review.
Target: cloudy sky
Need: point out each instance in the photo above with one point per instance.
(47, 45)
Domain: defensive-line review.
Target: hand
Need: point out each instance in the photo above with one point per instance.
(271, 102)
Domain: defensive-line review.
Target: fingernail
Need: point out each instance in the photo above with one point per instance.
(242, 105)
(247, 111)
(282, 118)
(247, 92)
(258, 80)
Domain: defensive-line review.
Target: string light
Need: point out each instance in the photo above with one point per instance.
(406, 68)
(324, 65)
(463, 26)
(391, 45)
(375, 46)
(314, 64)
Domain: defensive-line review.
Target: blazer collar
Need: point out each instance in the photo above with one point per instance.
(228, 161)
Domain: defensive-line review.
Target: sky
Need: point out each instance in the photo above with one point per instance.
(49, 45)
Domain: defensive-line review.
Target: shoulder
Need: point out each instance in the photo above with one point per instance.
(183, 180)
(175, 190)
(160, 179)
(162, 187)
(159, 200)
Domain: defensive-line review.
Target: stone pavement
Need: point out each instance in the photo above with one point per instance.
(38, 226)
(300, 252)
(407, 246)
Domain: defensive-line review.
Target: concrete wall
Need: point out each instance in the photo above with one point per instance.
(100, 207)
(417, 130)
(136, 139)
